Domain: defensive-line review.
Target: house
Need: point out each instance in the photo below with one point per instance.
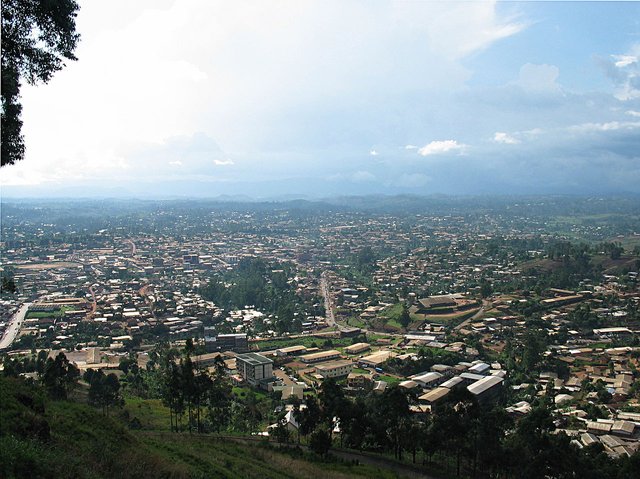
(360, 380)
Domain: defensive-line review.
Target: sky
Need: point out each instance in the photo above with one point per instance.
(322, 98)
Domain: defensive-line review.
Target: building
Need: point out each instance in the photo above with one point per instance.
(94, 356)
(321, 356)
(334, 369)
(429, 380)
(227, 342)
(254, 368)
(349, 332)
(434, 396)
(291, 350)
(487, 389)
(377, 358)
(360, 380)
(357, 348)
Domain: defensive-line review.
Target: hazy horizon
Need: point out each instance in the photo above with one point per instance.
(322, 99)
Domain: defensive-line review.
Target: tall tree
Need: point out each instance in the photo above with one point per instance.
(104, 390)
(37, 37)
(59, 376)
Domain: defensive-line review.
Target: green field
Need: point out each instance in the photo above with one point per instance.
(150, 412)
(58, 313)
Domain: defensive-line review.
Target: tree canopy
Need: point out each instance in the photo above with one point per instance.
(37, 37)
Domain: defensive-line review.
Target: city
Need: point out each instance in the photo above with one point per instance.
(512, 308)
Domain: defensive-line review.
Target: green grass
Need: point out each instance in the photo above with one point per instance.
(391, 380)
(210, 456)
(242, 392)
(57, 313)
(392, 312)
(356, 322)
(61, 439)
(151, 413)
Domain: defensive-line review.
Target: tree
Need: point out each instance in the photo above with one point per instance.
(104, 391)
(533, 348)
(37, 37)
(320, 441)
(308, 417)
(486, 289)
(404, 318)
(8, 285)
(281, 431)
(59, 376)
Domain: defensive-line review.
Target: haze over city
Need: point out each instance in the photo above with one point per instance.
(184, 98)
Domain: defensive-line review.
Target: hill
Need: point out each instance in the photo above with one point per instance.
(42, 438)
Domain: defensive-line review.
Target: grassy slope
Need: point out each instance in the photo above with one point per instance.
(60, 439)
(251, 460)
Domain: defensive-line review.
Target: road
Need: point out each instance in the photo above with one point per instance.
(485, 304)
(133, 247)
(325, 290)
(14, 327)
(94, 305)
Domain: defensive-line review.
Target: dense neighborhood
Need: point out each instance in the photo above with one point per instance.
(502, 310)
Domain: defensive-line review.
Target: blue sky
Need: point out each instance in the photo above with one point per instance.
(202, 98)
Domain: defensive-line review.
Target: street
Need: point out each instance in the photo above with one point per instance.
(14, 326)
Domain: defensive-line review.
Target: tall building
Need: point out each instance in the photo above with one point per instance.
(254, 368)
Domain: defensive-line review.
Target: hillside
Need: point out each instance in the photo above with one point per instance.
(41, 438)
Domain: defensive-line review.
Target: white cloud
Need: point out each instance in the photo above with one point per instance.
(505, 138)
(176, 163)
(226, 162)
(249, 74)
(626, 74)
(440, 147)
(622, 61)
(373, 153)
(410, 147)
(633, 113)
(608, 126)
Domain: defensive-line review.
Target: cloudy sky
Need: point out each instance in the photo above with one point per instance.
(269, 98)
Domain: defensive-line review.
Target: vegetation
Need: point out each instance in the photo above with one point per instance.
(46, 438)
(37, 38)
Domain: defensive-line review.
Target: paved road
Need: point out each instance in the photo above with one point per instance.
(14, 326)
